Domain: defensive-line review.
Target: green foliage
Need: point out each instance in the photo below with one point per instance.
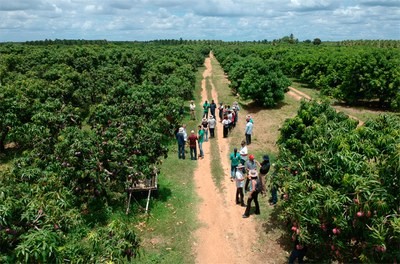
(341, 183)
(364, 73)
(257, 79)
(88, 121)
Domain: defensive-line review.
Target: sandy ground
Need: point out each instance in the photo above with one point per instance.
(224, 237)
(298, 95)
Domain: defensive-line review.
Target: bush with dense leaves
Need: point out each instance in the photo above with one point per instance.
(340, 183)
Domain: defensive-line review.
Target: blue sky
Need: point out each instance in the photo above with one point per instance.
(329, 20)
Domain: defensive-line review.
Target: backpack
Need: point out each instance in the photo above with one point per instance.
(258, 185)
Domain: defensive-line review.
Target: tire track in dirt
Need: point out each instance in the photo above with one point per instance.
(298, 95)
(224, 236)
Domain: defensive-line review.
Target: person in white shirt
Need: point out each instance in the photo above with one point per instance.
(192, 108)
(243, 153)
(239, 178)
(225, 123)
(211, 124)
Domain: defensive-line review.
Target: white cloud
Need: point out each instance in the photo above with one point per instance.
(206, 19)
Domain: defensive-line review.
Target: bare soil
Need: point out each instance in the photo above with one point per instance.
(224, 236)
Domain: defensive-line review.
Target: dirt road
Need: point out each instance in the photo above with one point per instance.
(224, 237)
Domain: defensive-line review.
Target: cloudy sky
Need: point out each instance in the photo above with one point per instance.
(22, 20)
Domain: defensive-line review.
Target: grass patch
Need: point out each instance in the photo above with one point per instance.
(217, 172)
(166, 232)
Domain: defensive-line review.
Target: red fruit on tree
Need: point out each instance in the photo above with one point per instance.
(360, 214)
(294, 229)
(336, 231)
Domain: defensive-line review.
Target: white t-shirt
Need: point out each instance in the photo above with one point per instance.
(239, 178)
(225, 122)
(243, 153)
(212, 122)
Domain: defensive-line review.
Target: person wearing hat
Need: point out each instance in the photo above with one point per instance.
(204, 123)
(180, 137)
(253, 195)
(193, 145)
(235, 160)
(192, 108)
(239, 185)
(251, 164)
(211, 123)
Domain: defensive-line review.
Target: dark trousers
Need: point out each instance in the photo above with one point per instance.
(254, 196)
(205, 115)
(248, 139)
(213, 113)
(181, 151)
(193, 153)
(246, 184)
(274, 195)
(225, 131)
(212, 130)
(239, 196)
(297, 254)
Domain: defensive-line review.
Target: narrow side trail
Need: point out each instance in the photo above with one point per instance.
(296, 94)
(224, 236)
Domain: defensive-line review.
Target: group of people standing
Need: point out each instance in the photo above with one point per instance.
(249, 175)
(228, 116)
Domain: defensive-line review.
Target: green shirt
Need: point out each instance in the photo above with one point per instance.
(201, 136)
(235, 159)
(206, 106)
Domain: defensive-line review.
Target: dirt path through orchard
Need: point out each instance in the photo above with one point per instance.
(224, 236)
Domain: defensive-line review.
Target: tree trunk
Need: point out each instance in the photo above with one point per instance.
(3, 136)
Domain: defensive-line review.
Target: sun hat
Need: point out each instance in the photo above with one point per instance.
(192, 131)
(253, 173)
(240, 166)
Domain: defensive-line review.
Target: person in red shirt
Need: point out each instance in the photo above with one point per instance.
(193, 145)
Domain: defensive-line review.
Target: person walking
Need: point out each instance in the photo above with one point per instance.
(212, 123)
(213, 106)
(181, 143)
(193, 145)
(206, 107)
(225, 124)
(253, 196)
(200, 141)
(235, 160)
(248, 131)
(239, 178)
(192, 108)
(204, 123)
